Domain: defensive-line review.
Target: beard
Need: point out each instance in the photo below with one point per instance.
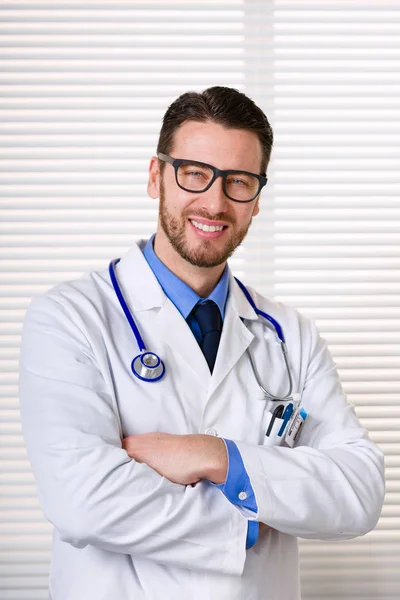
(206, 255)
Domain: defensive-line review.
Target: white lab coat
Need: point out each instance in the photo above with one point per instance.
(121, 531)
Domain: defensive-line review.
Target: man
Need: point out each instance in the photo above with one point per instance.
(170, 488)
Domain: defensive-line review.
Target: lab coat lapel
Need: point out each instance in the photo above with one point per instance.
(176, 333)
(137, 281)
(142, 292)
(236, 337)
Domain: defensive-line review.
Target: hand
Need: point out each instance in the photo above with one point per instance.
(183, 459)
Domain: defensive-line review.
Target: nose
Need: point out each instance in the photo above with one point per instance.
(215, 199)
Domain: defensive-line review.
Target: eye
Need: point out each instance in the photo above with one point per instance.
(238, 181)
(194, 172)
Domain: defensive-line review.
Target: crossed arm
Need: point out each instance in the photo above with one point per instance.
(183, 459)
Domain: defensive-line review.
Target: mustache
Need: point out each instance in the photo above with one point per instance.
(205, 215)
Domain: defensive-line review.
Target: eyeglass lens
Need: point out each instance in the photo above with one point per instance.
(195, 178)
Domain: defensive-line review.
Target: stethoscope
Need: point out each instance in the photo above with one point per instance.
(149, 367)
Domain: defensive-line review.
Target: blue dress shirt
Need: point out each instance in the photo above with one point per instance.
(184, 298)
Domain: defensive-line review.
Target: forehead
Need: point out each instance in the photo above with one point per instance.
(221, 147)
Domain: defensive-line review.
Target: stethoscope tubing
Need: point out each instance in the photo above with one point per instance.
(124, 306)
(281, 337)
(160, 364)
(261, 313)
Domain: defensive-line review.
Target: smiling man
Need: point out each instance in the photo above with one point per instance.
(175, 475)
(203, 229)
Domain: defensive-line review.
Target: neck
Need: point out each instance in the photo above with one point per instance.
(201, 279)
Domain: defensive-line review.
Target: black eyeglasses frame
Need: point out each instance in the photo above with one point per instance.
(177, 162)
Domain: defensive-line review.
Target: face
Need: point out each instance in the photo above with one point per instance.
(183, 215)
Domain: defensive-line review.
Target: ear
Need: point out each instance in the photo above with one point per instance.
(256, 209)
(153, 184)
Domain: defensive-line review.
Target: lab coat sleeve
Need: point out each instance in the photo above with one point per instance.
(330, 486)
(88, 486)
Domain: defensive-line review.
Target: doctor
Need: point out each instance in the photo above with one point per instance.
(170, 488)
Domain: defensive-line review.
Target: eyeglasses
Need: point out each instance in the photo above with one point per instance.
(198, 177)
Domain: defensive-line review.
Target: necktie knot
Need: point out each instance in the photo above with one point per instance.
(208, 317)
(210, 322)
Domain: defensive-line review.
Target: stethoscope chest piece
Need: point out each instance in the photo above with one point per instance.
(148, 366)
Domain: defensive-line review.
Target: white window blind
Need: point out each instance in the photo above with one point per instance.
(83, 88)
(336, 240)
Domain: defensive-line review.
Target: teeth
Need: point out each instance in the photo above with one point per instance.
(207, 227)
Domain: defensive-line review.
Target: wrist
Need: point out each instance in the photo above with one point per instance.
(217, 467)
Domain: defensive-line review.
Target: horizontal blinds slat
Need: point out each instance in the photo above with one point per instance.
(72, 51)
(137, 66)
(19, 556)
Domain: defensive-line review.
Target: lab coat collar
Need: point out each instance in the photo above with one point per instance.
(137, 281)
(241, 305)
(143, 292)
(140, 285)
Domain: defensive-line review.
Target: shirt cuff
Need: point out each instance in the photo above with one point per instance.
(252, 533)
(238, 489)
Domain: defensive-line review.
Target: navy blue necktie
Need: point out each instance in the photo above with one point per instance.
(209, 319)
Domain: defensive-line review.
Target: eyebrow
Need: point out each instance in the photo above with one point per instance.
(200, 162)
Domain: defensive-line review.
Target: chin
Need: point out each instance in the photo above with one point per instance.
(204, 258)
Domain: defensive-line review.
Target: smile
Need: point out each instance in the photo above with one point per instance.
(204, 227)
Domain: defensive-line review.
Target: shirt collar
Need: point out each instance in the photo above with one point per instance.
(179, 292)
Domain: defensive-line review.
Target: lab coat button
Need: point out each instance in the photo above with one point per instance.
(242, 496)
(211, 431)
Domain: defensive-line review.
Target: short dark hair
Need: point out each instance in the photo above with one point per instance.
(226, 106)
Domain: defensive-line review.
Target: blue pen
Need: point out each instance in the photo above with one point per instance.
(286, 416)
